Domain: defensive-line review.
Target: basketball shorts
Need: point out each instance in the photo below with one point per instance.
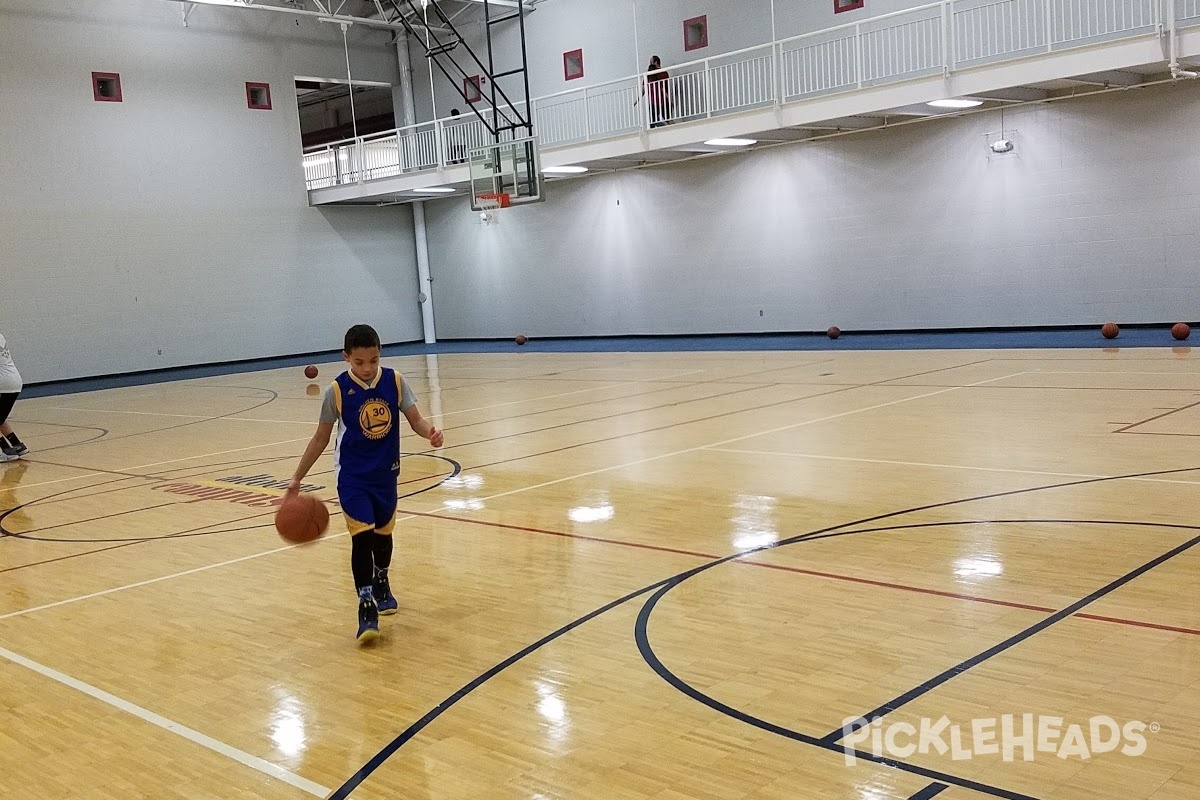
(368, 507)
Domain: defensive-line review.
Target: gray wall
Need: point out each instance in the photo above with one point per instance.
(1094, 216)
(178, 220)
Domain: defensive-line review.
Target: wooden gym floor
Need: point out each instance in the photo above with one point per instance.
(967, 534)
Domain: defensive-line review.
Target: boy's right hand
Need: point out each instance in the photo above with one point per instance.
(293, 489)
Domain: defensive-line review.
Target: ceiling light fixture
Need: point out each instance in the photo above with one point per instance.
(954, 102)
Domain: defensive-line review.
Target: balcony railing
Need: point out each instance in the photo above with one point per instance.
(932, 39)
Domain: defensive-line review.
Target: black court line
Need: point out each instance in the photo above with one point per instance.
(1157, 417)
(830, 742)
(652, 660)
(273, 395)
(974, 661)
(30, 536)
(353, 782)
(342, 792)
(932, 790)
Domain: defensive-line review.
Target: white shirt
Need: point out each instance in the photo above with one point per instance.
(10, 379)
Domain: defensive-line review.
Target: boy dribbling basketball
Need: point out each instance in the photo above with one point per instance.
(365, 403)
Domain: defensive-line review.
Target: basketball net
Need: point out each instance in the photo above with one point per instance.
(489, 204)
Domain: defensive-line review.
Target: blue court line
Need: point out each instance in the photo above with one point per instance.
(390, 749)
(998, 339)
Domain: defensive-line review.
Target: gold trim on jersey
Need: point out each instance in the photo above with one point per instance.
(356, 527)
(374, 381)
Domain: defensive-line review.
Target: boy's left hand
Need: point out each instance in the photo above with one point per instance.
(435, 437)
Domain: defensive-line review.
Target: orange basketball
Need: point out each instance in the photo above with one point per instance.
(1181, 331)
(833, 332)
(521, 339)
(310, 372)
(1109, 330)
(302, 518)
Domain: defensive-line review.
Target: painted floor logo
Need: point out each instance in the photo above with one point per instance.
(256, 491)
(1005, 737)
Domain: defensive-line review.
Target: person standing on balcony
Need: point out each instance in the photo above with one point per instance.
(454, 139)
(659, 93)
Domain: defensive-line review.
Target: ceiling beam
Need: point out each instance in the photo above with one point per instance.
(1112, 77)
(506, 3)
(264, 5)
(1014, 94)
(843, 124)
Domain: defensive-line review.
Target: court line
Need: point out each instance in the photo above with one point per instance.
(310, 422)
(118, 411)
(940, 466)
(666, 585)
(291, 441)
(746, 436)
(582, 474)
(932, 790)
(161, 578)
(895, 703)
(501, 494)
(254, 762)
(1133, 425)
(830, 741)
(160, 463)
(814, 573)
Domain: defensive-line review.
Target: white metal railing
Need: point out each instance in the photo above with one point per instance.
(994, 30)
(936, 38)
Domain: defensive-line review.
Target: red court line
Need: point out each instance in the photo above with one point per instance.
(900, 586)
(562, 534)
(815, 573)
(1154, 625)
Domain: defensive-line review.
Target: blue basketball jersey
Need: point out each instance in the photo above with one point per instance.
(368, 439)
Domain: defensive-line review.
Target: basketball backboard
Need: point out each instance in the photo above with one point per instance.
(505, 174)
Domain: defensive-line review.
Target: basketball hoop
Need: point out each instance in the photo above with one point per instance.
(493, 200)
(489, 203)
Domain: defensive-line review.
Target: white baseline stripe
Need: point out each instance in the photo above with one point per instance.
(254, 762)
